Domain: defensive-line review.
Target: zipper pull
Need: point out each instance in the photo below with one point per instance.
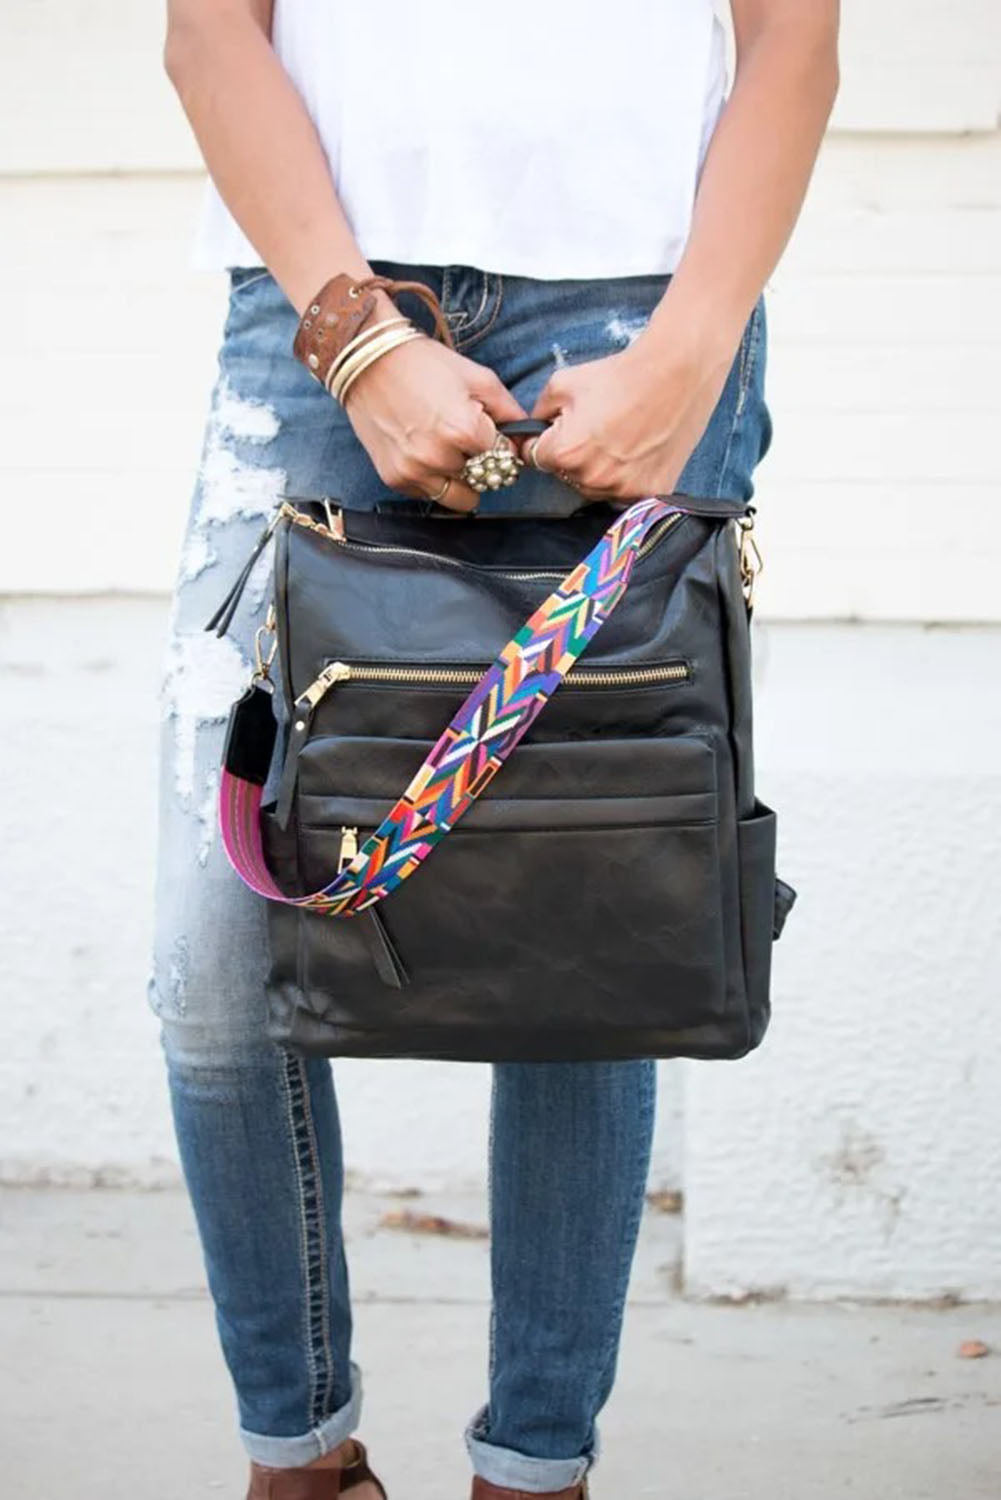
(337, 671)
(223, 616)
(349, 848)
(302, 718)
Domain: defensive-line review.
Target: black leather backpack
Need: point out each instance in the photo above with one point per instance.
(609, 891)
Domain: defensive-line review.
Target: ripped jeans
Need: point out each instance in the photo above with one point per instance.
(257, 1127)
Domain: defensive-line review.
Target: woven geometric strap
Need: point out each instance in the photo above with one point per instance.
(501, 707)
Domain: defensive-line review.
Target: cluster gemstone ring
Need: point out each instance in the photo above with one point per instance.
(494, 469)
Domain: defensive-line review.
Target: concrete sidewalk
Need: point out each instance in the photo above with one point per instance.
(111, 1386)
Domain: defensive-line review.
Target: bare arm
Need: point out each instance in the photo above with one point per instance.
(628, 424)
(422, 409)
(264, 156)
(759, 162)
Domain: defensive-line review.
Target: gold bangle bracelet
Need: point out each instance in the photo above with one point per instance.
(358, 342)
(343, 366)
(369, 356)
(382, 344)
(348, 383)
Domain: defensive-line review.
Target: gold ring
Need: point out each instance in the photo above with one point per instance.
(494, 469)
(443, 491)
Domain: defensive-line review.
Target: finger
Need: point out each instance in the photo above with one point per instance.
(532, 456)
(478, 438)
(489, 389)
(590, 495)
(432, 457)
(551, 400)
(472, 432)
(459, 496)
(482, 435)
(544, 455)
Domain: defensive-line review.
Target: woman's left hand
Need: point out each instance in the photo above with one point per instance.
(625, 426)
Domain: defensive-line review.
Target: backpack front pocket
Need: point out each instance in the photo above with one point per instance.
(504, 923)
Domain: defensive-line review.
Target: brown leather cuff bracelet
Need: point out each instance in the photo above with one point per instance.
(341, 309)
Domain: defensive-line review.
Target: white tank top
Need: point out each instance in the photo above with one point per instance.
(548, 138)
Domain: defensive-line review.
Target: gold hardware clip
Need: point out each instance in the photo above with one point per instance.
(750, 560)
(335, 521)
(262, 661)
(333, 531)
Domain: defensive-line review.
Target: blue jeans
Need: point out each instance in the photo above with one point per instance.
(257, 1126)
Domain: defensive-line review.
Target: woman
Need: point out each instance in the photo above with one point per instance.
(598, 226)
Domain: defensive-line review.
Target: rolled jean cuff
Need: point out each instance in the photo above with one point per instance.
(517, 1471)
(306, 1447)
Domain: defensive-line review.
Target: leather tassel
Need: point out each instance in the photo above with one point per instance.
(223, 616)
(290, 767)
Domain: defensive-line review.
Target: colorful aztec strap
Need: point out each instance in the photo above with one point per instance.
(501, 707)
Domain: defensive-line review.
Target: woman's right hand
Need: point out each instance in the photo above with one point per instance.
(421, 411)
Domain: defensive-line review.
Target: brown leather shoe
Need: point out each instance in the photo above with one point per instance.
(312, 1484)
(484, 1490)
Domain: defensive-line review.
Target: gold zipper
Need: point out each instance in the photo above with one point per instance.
(658, 533)
(334, 532)
(577, 677)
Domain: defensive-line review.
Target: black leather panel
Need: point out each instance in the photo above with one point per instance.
(368, 767)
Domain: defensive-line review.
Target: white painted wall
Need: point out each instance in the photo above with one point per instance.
(858, 1153)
